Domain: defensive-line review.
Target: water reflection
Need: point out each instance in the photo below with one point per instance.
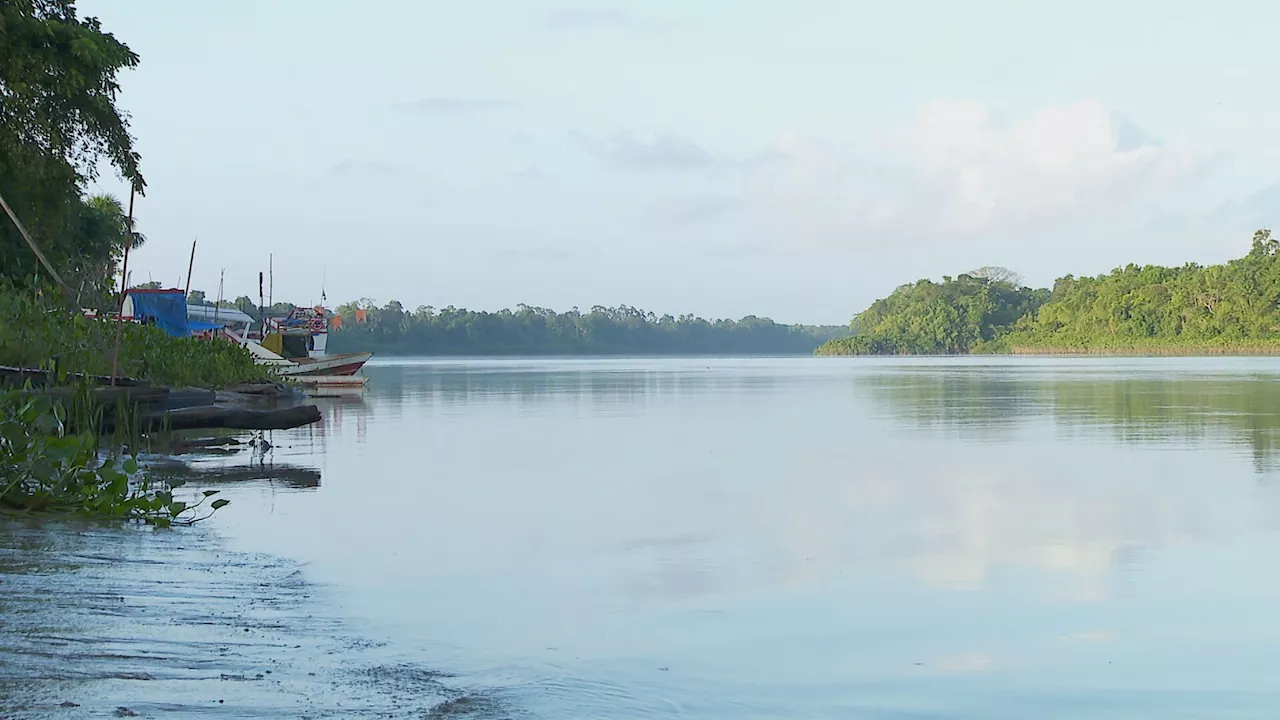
(788, 538)
(244, 459)
(596, 386)
(798, 538)
(1173, 409)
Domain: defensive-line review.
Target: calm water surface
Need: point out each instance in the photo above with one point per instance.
(766, 538)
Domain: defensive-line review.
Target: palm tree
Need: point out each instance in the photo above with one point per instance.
(99, 239)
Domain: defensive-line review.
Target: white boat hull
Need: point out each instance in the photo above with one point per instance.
(341, 365)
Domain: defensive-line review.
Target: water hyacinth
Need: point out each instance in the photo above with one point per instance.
(52, 462)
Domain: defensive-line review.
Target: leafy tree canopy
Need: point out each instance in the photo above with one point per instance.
(58, 120)
(955, 316)
(1233, 305)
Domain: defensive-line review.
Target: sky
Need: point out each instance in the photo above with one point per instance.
(793, 159)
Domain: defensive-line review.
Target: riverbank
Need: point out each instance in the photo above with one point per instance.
(1027, 343)
(1152, 350)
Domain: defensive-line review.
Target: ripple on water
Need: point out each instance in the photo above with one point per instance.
(124, 622)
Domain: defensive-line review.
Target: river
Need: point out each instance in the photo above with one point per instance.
(695, 538)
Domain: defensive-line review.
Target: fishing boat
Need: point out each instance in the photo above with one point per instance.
(294, 346)
(302, 337)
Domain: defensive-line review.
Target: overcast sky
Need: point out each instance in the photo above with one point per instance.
(793, 159)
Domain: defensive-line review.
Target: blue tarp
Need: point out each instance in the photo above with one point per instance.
(202, 326)
(166, 309)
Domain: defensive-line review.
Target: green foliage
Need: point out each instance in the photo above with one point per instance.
(1233, 307)
(58, 119)
(50, 465)
(98, 238)
(968, 314)
(539, 331)
(33, 333)
(1229, 308)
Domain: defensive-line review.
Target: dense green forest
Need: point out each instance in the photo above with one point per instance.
(1228, 308)
(956, 316)
(529, 330)
(1231, 307)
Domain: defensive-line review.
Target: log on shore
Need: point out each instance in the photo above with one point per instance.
(266, 390)
(235, 418)
(189, 397)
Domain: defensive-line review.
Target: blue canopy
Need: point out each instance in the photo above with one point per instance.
(166, 309)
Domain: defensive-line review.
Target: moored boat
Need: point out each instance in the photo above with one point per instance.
(345, 364)
(302, 337)
(293, 345)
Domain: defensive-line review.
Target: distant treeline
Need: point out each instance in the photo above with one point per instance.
(1228, 308)
(391, 329)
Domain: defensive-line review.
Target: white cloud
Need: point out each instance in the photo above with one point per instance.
(960, 172)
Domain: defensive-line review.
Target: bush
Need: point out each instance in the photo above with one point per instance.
(35, 333)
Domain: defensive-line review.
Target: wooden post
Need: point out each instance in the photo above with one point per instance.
(186, 292)
(262, 311)
(124, 283)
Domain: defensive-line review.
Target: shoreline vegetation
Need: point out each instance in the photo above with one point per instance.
(1193, 310)
(61, 252)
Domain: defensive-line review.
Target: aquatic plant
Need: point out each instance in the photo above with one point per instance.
(52, 463)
